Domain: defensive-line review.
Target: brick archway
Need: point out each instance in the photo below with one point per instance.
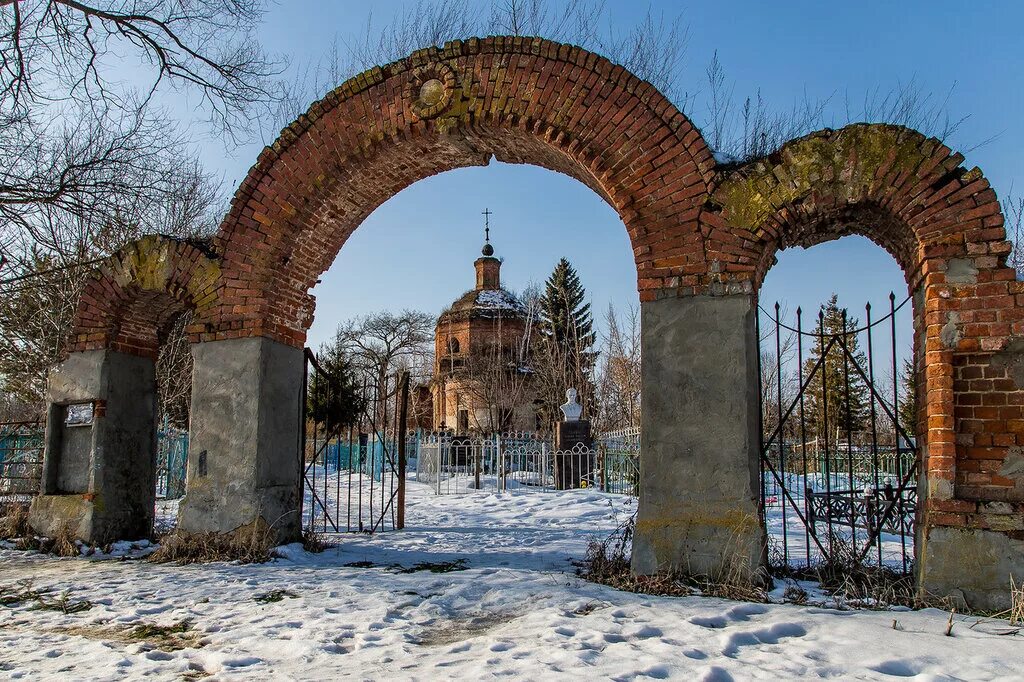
(703, 237)
(943, 225)
(517, 100)
(131, 295)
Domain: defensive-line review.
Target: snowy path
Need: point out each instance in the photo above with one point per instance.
(518, 611)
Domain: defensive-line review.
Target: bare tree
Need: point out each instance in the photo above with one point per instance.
(37, 305)
(618, 372)
(57, 51)
(779, 368)
(380, 344)
(88, 163)
(1013, 212)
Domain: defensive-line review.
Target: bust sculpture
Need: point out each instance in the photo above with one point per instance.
(572, 408)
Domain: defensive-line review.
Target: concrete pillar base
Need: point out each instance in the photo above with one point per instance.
(698, 510)
(971, 566)
(243, 459)
(99, 470)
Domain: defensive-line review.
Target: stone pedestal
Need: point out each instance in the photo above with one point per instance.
(698, 508)
(244, 465)
(99, 461)
(573, 458)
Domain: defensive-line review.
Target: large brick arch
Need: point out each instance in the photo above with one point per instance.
(519, 100)
(130, 296)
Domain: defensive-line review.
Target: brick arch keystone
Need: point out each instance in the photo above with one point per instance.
(519, 100)
(133, 293)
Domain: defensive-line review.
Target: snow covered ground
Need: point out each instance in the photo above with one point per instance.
(517, 610)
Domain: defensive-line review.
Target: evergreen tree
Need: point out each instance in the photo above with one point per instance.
(908, 399)
(567, 330)
(831, 401)
(334, 398)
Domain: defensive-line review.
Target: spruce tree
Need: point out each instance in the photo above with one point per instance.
(908, 399)
(567, 328)
(831, 401)
(334, 398)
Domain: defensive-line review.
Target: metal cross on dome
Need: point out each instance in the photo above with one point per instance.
(487, 224)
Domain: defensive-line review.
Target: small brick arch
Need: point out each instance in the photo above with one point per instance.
(131, 296)
(520, 100)
(906, 192)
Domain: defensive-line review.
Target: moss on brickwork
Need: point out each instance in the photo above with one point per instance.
(845, 161)
(152, 263)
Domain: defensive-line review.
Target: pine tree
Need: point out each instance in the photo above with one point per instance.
(908, 399)
(567, 330)
(831, 401)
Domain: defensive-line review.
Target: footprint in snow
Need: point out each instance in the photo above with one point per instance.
(648, 631)
(714, 622)
(898, 668)
(770, 635)
(157, 655)
(716, 674)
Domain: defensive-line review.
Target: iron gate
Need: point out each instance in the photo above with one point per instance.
(353, 473)
(839, 480)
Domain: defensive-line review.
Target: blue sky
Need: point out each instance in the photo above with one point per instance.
(416, 250)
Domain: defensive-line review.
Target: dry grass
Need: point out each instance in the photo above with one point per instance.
(1016, 603)
(23, 592)
(314, 541)
(856, 584)
(607, 563)
(63, 543)
(14, 520)
(248, 545)
(173, 637)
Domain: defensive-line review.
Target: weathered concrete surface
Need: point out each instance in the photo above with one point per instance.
(699, 439)
(971, 565)
(243, 460)
(99, 479)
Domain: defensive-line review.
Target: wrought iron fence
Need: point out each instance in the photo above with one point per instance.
(171, 459)
(453, 464)
(21, 459)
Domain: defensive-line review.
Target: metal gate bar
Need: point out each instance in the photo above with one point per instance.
(834, 499)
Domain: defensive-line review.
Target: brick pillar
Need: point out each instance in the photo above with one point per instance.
(970, 535)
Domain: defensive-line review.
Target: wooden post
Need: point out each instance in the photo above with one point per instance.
(403, 417)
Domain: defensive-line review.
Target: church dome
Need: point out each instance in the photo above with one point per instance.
(484, 304)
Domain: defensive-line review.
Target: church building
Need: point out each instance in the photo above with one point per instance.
(481, 378)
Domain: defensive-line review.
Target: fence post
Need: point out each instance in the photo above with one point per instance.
(403, 415)
(503, 483)
(601, 462)
(477, 456)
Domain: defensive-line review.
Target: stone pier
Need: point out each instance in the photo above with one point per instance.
(699, 438)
